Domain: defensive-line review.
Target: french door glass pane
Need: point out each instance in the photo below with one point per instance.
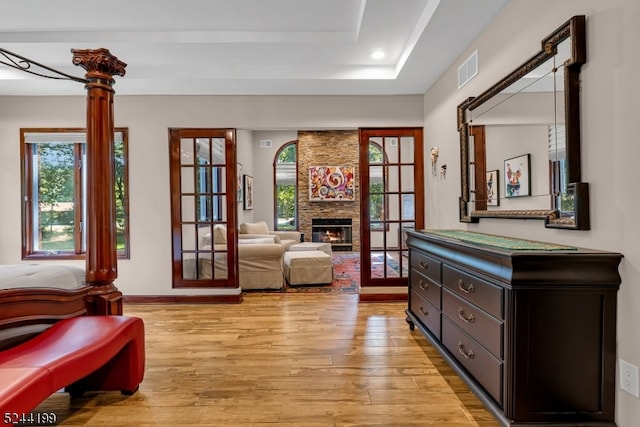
(408, 207)
(188, 211)
(375, 151)
(393, 179)
(393, 209)
(203, 152)
(187, 184)
(187, 151)
(217, 151)
(391, 149)
(407, 149)
(407, 173)
(376, 179)
(392, 263)
(206, 237)
(189, 270)
(202, 179)
(189, 234)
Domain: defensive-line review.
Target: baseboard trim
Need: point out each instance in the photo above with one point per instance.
(382, 297)
(183, 299)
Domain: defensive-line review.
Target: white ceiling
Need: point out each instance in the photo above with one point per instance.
(244, 47)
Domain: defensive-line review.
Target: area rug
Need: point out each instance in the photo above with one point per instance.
(346, 273)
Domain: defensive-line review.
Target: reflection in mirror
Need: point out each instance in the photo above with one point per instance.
(523, 132)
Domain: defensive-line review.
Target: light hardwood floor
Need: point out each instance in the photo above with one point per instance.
(282, 360)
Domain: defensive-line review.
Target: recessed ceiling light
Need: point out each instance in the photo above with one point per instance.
(377, 54)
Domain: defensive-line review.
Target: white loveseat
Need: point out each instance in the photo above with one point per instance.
(260, 256)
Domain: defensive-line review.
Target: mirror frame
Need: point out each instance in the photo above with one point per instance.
(574, 28)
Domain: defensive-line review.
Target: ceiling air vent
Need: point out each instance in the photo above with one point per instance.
(468, 69)
(265, 143)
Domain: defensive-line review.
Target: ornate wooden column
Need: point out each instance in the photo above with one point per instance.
(101, 269)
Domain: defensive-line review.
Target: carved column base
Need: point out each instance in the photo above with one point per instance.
(104, 300)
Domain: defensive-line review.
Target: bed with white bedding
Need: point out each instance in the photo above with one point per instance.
(41, 276)
(35, 296)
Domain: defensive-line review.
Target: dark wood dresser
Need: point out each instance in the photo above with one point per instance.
(529, 326)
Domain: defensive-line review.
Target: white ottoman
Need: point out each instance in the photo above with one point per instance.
(311, 246)
(307, 267)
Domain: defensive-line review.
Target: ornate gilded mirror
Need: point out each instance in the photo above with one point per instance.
(520, 139)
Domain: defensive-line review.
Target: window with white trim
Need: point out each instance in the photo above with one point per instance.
(53, 189)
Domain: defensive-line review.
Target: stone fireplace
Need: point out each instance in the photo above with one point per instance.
(330, 147)
(337, 231)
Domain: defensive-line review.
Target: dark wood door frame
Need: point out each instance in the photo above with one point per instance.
(230, 191)
(365, 134)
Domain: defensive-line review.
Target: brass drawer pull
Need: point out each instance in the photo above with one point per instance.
(423, 285)
(426, 313)
(424, 265)
(467, 354)
(466, 290)
(467, 319)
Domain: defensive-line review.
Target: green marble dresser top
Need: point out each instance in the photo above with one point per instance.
(502, 242)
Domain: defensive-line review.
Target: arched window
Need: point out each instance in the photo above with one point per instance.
(285, 171)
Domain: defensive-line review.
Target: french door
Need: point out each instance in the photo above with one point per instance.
(203, 207)
(392, 200)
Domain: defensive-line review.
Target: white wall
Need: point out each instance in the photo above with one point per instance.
(148, 118)
(244, 154)
(610, 150)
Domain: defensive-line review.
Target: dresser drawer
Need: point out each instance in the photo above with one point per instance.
(427, 288)
(485, 329)
(485, 295)
(486, 369)
(426, 312)
(424, 264)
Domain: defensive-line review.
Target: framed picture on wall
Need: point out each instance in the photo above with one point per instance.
(239, 182)
(517, 176)
(332, 183)
(493, 188)
(248, 192)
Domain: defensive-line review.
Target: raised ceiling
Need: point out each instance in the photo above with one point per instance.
(245, 47)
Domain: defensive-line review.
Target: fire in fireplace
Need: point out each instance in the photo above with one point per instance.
(337, 231)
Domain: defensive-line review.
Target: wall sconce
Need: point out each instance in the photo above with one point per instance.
(443, 171)
(434, 158)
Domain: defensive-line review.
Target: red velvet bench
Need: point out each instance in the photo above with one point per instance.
(79, 354)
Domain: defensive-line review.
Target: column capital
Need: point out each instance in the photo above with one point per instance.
(99, 63)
